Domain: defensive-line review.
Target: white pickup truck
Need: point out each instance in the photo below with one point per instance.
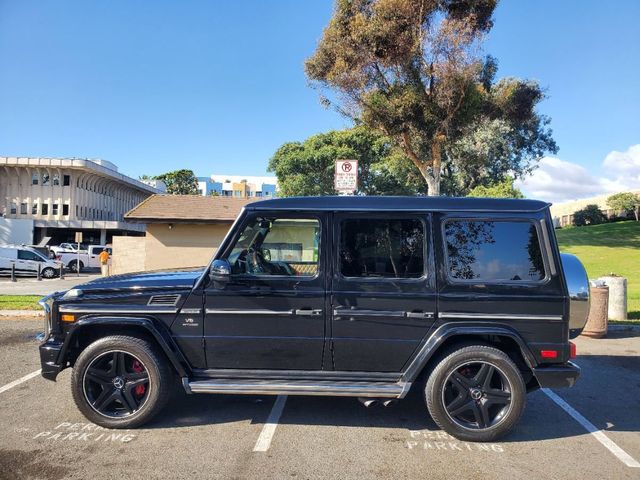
(90, 258)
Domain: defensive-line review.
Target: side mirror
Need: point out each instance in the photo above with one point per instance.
(220, 273)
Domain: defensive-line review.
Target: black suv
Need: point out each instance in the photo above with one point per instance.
(467, 300)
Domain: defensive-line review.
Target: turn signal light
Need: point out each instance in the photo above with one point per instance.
(573, 351)
(548, 353)
(68, 318)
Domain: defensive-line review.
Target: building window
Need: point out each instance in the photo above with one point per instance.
(493, 251)
(56, 180)
(14, 208)
(258, 194)
(34, 179)
(76, 211)
(54, 209)
(44, 209)
(65, 210)
(382, 248)
(34, 209)
(66, 180)
(45, 179)
(23, 208)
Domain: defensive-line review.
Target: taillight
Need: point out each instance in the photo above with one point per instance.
(58, 257)
(549, 353)
(573, 351)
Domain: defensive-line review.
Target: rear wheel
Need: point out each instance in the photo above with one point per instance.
(76, 266)
(476, 393)
(120, 382)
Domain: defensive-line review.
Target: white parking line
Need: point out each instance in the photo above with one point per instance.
(609, 444)
(19, 381)
(264, 440)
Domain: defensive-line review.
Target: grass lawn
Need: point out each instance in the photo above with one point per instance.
(603, 249)
(20, 302)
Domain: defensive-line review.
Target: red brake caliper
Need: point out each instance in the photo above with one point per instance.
(140, 389)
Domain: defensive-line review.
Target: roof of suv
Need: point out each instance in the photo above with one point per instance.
(378, 203)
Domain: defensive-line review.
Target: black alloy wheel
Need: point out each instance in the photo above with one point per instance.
(116, 384)
(477, 395)
(121, 381)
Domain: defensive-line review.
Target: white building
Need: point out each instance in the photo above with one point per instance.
(62, 196)
(157, 184)
(562, 213)
(238, 186)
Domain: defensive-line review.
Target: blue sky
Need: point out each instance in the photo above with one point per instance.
(217, 86)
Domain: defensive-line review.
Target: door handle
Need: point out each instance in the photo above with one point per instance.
(308, 312)
(419, 314)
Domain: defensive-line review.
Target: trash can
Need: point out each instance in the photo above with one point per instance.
(597, 321)
(617, 296)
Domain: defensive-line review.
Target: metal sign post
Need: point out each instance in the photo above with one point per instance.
(78, 241)
(346, 177)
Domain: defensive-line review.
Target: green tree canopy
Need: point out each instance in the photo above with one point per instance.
(625, 202)
(307, 168)
(411, 69)
(180, 182)
(504, 189)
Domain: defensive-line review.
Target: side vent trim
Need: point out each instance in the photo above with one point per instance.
(164, 300)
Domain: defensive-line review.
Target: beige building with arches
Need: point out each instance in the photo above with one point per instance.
(64, 195)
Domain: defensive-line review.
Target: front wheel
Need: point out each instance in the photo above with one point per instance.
(48, 272)
(120, 382)
(476, 393)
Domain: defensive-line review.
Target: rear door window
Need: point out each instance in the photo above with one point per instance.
(382, 248)
(493, 251)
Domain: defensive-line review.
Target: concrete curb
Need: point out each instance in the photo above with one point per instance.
(21, 313)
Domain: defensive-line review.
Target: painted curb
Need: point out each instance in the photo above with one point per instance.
(21, 313)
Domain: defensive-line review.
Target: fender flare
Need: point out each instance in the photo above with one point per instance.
(448, 330)
(156, 328)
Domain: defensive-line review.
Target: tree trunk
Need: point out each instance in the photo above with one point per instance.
(430, 171)
(433, 184)
(433, 177)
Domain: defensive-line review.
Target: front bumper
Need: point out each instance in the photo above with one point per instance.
(49, 354)
(557, 376)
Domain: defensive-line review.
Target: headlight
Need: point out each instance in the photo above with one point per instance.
(72, 294)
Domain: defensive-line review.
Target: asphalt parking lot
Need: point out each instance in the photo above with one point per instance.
(215, 436)
(32, 286)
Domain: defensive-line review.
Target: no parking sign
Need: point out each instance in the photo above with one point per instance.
(346, 178)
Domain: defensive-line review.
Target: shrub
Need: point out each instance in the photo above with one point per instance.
(589, 215)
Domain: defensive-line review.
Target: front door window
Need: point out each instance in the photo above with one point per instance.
(277, 246)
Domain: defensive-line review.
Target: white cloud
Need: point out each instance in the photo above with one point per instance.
(556, 180)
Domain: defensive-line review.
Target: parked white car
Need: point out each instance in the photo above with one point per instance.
(26, 261)
(67, 247)
(85, 259)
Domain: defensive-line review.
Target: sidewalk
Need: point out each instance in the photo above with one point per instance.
(31, 286)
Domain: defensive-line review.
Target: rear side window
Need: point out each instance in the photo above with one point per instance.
(493, 251)
(383, 248)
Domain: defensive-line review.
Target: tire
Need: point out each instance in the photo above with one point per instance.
(72, 266)
(108, 382)
(475, 393)
(48, 273)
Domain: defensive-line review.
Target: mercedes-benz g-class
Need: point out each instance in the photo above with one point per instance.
(467, 300)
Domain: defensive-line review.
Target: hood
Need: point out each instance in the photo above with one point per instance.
(144, 281)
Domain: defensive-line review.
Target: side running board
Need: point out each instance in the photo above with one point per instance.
(301, 387)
